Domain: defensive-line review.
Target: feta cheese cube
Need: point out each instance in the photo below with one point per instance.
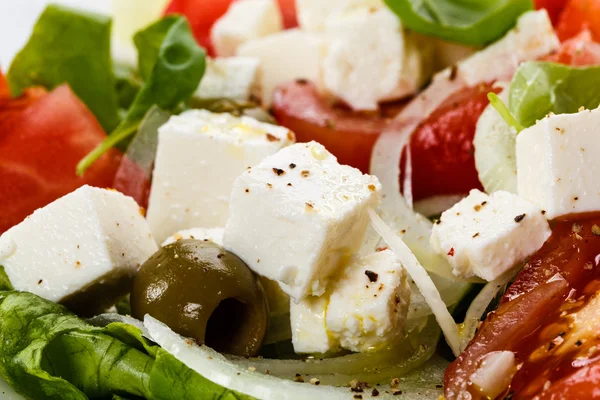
(305, 215)
(314, 14)
(285, 56)
(244, 21)
(369, 303)
(309, 328)
(557, 163)
(363, 81)
(199, 156)
(230, 78)
(91, 240)
(486, 236)
(214, 235)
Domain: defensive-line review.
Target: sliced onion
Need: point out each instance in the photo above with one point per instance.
(451, 291)
(408, 193)
(479, 305)
(421, 279)
(434, 206)
(371, 367)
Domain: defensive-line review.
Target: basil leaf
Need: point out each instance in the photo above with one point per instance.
(177, 69)
(471, 22)
(74, 47)
(46, 352)
(539, 88)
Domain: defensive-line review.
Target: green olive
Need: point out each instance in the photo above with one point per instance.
(203, 292)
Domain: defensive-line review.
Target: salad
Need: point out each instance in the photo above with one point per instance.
(296, 199)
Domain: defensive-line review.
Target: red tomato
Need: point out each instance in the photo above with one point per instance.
(4, 91)
(577, 16)
(350, 136)
(554, 8)
(534, 320)
(580, 50)
(288, 12)
(40, 148)
(201, 14)
(133, 181)
(442, 151)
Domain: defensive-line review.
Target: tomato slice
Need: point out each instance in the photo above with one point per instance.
(41, 142)
(4, 90)
(549, 318)
(350, 136)
(202, 14)
(554, 8)
(288, 12)
(577, 16)
(580, 50)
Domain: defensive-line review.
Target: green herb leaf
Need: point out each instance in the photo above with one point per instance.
(4, 281)
(46, 352)
(504, 112)
(539, 88)
(471, 22)
(177, 69)
(74, 47)
(127, 85)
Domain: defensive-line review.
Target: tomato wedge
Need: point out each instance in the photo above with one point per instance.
(350, 136)
(549, 318)
(554, 8)
(4, 90)
(41, 142)
(577, 16)
(202, 14)
(580, 50)
(288, 12)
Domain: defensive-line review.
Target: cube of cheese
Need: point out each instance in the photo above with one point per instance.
(368, 305)
(230, 78)
(298, 216)
(214, 235)
(285, 56)
(91, 240)
(364, 81)
(244, 21)
(314, 14)
(486, 236)
(558, 165)
(198, 158)
(309, 328)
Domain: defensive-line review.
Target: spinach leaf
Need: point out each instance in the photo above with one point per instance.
(177, 68)
(46, 352)
(539, 88)
(4, 281)
(74, 47)
(471, 22)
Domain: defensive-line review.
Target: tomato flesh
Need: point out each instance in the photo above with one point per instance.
(350, 136)
(41, 142)
(554, 8)
(577, 16)
(559, 281)
(288, 12)
(4, 90)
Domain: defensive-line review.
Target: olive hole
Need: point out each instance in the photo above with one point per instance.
(225, 329)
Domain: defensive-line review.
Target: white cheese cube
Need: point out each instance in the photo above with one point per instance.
(214, 235)
(244, 21)
(230, 78)
(198, 158)
(558, 165)
(314, 14)
(369, 303)
(365, 55)
(532, 38)
(309, 328)
(298, 215)
(88, 237)
(286, 56)
(486, 236)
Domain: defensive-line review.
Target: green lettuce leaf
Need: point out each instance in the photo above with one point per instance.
(74, 47)
(173, 65)
(539, 88)
(4, 281)
(46, 352)
(471, 22)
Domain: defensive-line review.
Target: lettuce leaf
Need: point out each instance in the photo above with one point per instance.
(539, 88)
(471, 22)
(46, 352)
(172, 65)
(70, 46)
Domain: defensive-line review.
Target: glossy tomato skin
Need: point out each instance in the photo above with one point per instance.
(577, 16)
(533, 319)
(442, 151)
(40, 148)
(350, 136)
(201, 14)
